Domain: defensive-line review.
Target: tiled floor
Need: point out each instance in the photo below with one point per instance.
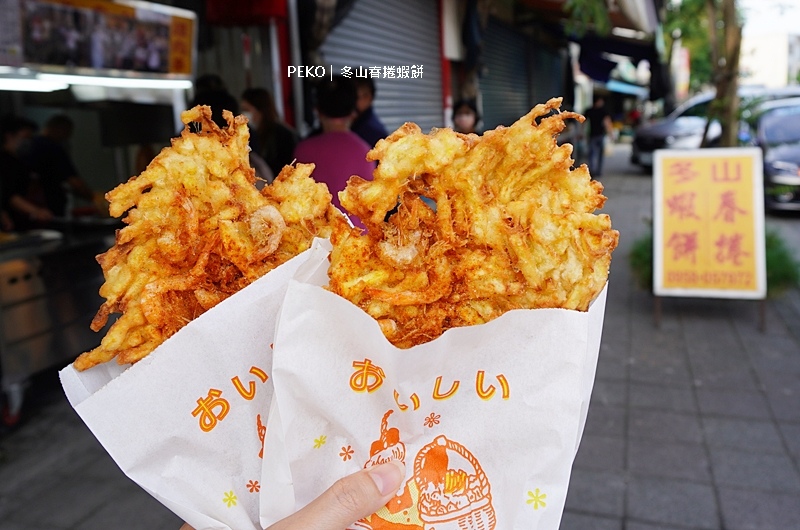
(695, 424)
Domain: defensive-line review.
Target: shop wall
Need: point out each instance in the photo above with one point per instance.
(547, 73)
(225, 57)
(394, 33)
(519, 72)
(505, 83)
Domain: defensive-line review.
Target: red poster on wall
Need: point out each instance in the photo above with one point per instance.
(244, 12)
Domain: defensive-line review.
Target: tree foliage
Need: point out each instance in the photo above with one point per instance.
(688, 21)
(712, 31)
(586, 15)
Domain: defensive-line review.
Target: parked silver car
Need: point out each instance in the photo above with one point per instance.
(683, 128)
(775, 128)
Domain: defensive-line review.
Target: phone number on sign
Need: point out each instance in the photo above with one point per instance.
(717, 278)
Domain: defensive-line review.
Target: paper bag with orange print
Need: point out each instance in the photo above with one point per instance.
(187, 422)
(486, 418)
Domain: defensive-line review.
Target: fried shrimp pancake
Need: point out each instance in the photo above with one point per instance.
(198, 231)
(513, 228)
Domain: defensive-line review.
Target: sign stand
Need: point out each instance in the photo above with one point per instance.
(658, 309)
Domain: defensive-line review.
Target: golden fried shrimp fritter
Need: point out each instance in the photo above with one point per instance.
(198, 230)
(513, 228)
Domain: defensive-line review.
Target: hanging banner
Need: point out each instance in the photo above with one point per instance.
(708, 223)
(87, 36)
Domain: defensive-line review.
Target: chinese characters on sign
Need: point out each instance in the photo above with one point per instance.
(709, 223)
(181, 45)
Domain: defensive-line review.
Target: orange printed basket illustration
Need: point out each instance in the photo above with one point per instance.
(451, 498)
(400, 513)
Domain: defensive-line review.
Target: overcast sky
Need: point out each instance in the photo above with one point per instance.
(770, 16)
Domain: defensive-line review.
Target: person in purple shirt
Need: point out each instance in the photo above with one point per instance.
(367, 125)
(337, 152)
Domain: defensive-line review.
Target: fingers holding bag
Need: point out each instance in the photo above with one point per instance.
(349, 499)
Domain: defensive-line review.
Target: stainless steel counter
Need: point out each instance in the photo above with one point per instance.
(48, 296)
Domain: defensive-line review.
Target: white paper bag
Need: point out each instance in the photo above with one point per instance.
(486, 418)
(187, 422)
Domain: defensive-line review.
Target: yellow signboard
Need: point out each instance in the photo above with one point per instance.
(708, 223)
(181, 45)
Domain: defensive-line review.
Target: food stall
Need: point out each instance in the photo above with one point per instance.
(48, 296)
(120, 70)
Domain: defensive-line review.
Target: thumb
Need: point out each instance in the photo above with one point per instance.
(349, 499)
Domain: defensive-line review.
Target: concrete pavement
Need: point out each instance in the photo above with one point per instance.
(695, 425)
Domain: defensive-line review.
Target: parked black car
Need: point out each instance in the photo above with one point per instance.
(776, 129)
(683, 128)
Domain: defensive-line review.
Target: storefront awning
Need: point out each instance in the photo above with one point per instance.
(626, 88)
(594, 63)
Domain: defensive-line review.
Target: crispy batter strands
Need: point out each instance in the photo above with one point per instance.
(198, 231)
(513, 228)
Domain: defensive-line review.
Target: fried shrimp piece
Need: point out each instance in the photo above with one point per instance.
(513, 228)
(198, 231)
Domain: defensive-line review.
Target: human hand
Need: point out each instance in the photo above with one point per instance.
(349, 499)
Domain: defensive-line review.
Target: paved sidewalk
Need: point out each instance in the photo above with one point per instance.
(695, 425)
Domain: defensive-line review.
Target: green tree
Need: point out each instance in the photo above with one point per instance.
(712, 28)
(587, 15)
(688, 21)
(685, 20)
(712, 31)
(725, 39)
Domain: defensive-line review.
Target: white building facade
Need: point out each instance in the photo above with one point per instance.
(770, 60)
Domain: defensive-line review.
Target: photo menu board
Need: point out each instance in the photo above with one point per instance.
(97, 36)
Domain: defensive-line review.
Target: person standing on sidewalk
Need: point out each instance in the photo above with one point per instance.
(465, 116)
(55, 176)
(600, 127)
(17, 211)
(367, 124)
(338, 153)
(270, 138)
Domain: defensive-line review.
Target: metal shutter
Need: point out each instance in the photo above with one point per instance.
(393, 33)
(547, 74)
(504, 86)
